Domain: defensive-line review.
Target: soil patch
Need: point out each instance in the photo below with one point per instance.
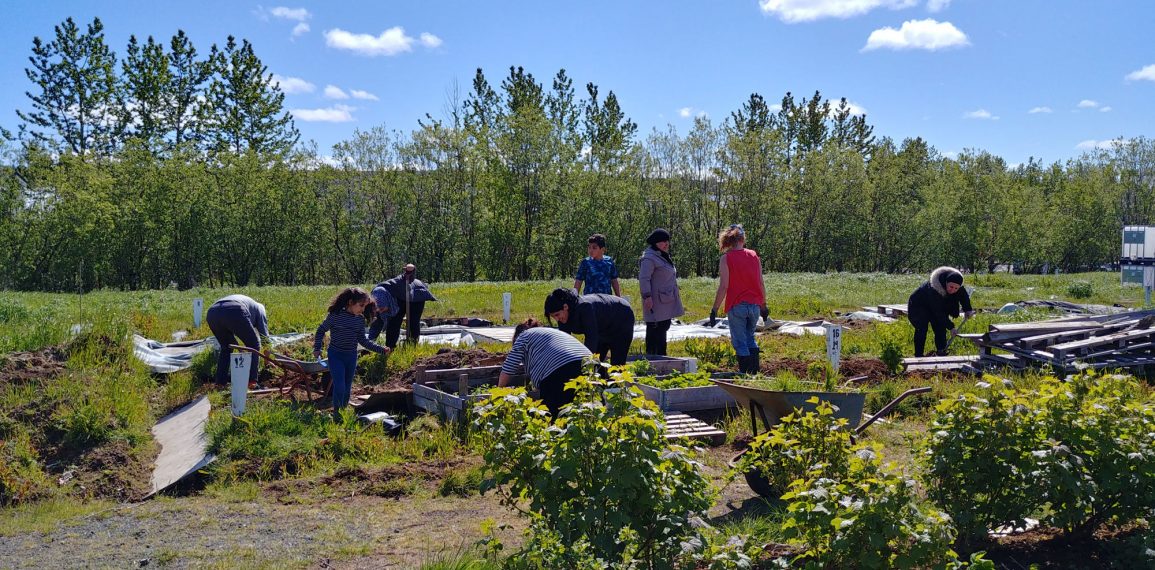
(850, 367)
(445, 358)
(115, 471)
(27, 367)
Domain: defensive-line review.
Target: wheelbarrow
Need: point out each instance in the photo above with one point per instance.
(290, 374)
(771, 406)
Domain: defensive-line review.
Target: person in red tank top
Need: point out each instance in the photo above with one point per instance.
(740, 284)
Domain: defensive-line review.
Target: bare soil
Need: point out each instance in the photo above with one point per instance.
(445, 358)
(850, 367)
(28, 367)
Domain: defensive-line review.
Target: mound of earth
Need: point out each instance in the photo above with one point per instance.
(849, 367)
(29, 367)
(445, 358)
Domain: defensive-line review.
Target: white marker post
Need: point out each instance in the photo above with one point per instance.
(506, 304)
(833, 344)
(239, 369)
(198, 308)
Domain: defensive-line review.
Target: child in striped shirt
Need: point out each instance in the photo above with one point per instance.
(346, 327)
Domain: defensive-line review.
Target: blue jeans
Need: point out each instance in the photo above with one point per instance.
(743, 319)
(342, 366)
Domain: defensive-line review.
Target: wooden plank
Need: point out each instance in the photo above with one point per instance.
(454, 373)
(937, 359)
(1120, 340)
(691, 399)
(679, 425)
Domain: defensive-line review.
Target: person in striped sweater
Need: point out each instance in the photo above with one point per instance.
(549, 357)
(345, 324)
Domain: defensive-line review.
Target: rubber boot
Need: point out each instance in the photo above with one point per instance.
(744, 364)
(755, 360)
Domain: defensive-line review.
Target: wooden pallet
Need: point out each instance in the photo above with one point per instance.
(680, 425)
(938, 363)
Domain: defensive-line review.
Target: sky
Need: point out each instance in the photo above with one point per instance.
(1048, 79)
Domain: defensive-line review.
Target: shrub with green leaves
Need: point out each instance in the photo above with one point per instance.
(799, 446)
(867, 517)
(712, 353)
(890, 342)
(600, 483)
(1080, 289)
(676, 380)
(978, 460)
(1098, 462)
(1080, 451)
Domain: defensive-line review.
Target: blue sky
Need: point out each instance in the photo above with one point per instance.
(1018, 78)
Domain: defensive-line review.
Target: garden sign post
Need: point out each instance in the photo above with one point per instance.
(240, 362)
(833, 344)
(506, 302)
(198, 308)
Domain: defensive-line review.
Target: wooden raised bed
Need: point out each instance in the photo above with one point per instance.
(692, 399)
(446, 392)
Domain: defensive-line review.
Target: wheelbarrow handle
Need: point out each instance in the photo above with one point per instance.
(887, 408)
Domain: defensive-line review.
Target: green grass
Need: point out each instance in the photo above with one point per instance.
(46, 516)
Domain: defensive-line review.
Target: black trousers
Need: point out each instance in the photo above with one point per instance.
(920, 328)
(230, 321)
(656, 337)
(552, 387)
(617, 348)
(392, 325)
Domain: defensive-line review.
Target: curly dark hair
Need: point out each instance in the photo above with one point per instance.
(351, 295)
(558, 298)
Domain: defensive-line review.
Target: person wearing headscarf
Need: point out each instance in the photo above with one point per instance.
(933, 305)
(606, 321)
(661, 300)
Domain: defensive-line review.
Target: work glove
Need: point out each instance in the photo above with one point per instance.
(713, 318)
(764, 311)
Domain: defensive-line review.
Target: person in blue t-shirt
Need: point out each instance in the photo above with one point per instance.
(598, 270)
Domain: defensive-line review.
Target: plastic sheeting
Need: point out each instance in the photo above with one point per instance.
(869, 316)
(166, 358)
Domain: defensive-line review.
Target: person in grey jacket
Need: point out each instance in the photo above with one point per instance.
(661, 300)
(236, 317)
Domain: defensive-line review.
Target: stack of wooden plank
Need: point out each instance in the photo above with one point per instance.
(1122, 340)
(894, 310)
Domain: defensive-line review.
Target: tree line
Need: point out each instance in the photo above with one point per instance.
(178, 169)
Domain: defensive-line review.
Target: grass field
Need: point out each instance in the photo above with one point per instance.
(98, 408)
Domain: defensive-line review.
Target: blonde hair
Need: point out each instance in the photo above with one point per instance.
(730, 237)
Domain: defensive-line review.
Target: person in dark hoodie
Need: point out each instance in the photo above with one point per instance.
(606, 321)
(933, 305)
(390, 318)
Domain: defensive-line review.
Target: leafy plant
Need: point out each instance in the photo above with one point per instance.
(1080, 289)
(865, 517)
(676, 380)
(600, 483)
(799, 445)
(890, 349)
(712, 353)
(978, 461)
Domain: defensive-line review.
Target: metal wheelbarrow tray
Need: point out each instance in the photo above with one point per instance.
(773, 405)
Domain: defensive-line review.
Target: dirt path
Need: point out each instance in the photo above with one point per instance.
(352, 532)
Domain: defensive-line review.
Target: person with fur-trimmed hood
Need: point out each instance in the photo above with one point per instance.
(933, 305)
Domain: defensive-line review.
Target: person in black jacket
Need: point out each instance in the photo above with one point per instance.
(413, 307)
(933, 304)
(606, 321)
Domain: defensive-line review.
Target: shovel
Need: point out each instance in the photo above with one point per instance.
(954, 335)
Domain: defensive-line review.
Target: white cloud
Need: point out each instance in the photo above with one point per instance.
(429, 40)
(981, 114)
(1088, 104)
(685, 112)
(334, 92)
(365, 95)
(1043, 109)
(1099, 145)
(291, 85)
(855, 108)
(299, 29)
(937, 5)
(926, 34)
(1147, 73)
(390, 42)
(334, 114)
(794, 11)
(951, 154)
(1106, 109)
(296, 14)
